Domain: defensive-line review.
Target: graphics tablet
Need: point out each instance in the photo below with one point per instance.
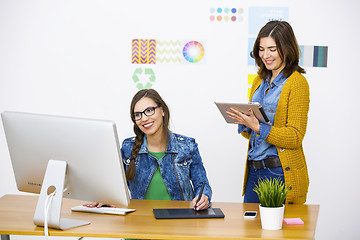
(182, 213)
(244, 108)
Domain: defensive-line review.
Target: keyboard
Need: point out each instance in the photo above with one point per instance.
(103, 210)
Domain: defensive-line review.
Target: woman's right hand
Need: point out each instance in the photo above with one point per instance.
(247, 120)
(202, 204)
(95, 204)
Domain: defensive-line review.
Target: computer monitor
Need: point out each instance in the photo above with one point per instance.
(43, 147)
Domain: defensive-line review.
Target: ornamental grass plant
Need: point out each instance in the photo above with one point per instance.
(271, 192)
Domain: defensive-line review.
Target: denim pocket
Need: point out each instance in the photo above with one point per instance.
(278, 171)
(183, 167)
(184, 163)
(127, 162)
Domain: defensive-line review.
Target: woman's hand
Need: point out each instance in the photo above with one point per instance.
(248, 120)
(202, 204)
(95, 204)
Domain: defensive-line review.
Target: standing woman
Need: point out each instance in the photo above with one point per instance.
(276, 150)
(160, 164)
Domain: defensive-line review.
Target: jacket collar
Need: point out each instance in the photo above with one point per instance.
(170, 148)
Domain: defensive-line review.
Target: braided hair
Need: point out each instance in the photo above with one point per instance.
(139, 135)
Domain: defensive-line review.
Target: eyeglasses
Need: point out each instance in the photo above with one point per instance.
(148, 112)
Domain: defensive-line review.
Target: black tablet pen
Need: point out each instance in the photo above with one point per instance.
(200, 194)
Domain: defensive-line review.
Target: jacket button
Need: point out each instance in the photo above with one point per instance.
(282, 149)
(287, 168)
(181, 139)
(128, 160)
(185, 163)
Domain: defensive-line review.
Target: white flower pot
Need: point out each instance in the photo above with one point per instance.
(271, 217)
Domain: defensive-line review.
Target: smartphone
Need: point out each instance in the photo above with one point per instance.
(250, 214)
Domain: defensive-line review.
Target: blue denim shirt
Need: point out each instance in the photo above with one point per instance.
(181, 168)
(260, 149)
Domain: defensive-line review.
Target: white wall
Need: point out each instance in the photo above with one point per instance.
(73, 58)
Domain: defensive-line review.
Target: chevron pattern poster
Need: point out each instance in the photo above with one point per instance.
(151, 51)
(168, 51)
(143, 51)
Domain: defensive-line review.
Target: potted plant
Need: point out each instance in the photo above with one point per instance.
(272, 193)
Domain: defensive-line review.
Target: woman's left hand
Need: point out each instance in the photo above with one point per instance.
(247, 120)
(202, 204)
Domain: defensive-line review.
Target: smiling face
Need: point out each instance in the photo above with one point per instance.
(270, 56)
(150, 125)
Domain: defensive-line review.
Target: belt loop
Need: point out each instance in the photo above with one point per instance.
(263, 162)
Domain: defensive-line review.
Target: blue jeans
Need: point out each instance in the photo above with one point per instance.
(254, 174)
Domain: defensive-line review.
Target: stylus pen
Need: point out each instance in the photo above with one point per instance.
(200, 194)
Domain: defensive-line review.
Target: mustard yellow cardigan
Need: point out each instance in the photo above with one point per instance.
(287, 134)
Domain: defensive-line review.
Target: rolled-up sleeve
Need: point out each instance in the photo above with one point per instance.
(242, 128)
(264, 132)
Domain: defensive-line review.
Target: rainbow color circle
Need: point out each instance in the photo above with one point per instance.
(193, 51)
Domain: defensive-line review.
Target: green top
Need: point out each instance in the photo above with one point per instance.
(157, 189)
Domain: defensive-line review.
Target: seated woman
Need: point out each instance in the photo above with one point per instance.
(160, 164)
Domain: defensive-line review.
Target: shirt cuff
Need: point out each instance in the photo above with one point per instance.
(242, 128)
(264, 132)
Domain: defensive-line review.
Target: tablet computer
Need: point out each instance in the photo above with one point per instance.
(185, 213)
(244, 108)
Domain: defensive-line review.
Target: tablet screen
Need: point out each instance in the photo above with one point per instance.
(244, 108)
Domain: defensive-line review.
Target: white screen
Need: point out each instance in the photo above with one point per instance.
(90, 147)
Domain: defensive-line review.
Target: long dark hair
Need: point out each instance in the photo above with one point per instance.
(286, 44)
(139, 138)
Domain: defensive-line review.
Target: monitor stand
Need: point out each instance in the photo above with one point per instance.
(54, 179)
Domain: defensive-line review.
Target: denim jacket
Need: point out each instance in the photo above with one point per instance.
(181, 168)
